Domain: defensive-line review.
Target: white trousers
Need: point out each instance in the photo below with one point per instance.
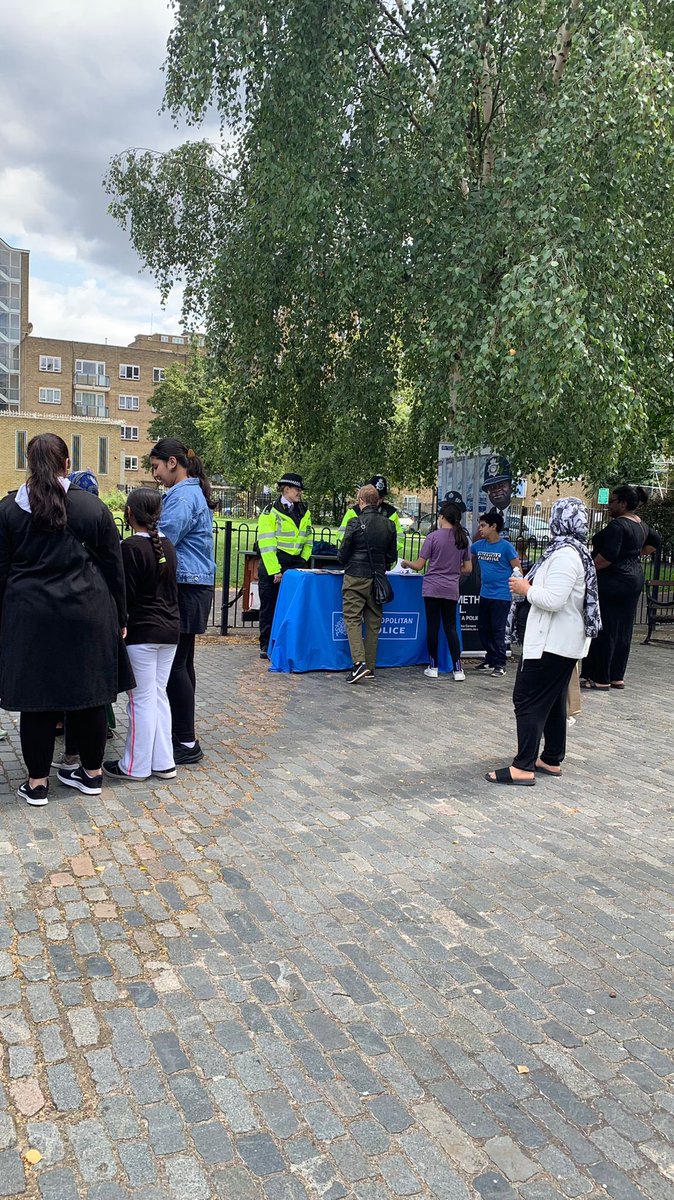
(148, 740)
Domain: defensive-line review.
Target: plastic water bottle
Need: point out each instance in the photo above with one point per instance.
(517, 574)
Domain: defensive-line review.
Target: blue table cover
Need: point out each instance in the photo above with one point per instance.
(309, 633)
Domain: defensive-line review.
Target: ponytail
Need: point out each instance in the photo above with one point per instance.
(47, 456)
(452, 514)
(173, 448)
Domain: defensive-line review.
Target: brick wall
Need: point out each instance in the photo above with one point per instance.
(147, 353)
(89, 432)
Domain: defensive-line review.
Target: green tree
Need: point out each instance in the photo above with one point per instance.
(469, 203)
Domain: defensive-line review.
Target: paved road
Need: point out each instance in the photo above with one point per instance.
(333, 962)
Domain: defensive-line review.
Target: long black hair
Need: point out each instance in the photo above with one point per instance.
(452, 513)
(168, 447)
(144, 504)
(47, 456)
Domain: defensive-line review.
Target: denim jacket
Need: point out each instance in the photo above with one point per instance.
(186, 521)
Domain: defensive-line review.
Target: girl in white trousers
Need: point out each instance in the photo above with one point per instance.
(153, 630)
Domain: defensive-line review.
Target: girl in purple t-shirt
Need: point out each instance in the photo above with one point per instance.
(446, 555)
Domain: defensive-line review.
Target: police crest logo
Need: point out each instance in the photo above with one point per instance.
(493, 466)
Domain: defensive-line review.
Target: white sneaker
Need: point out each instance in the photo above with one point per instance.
(431, 672)
(571, 720)
(459, 676)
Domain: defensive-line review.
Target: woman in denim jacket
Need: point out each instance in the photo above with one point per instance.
(187, 521)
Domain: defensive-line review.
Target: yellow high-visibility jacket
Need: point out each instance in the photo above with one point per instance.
(278, 533)
(387, 510)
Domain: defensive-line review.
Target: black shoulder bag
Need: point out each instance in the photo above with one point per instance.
(382, 591)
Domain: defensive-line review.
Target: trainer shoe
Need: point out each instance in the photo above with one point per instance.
(36, 796)
(113, 769)
(66, 760)
(497, 672)
(483, 666)
(263, 654)
(459, 676)
(91, 785)
(432, 672)
(167, 773)
(3, 734)
(187, 756)
(359, 672)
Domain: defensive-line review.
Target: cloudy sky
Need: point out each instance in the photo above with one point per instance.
(80, 82)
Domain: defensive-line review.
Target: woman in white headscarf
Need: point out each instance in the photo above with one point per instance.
(562, 615)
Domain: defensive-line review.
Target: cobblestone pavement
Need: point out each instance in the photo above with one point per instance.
(333, 962)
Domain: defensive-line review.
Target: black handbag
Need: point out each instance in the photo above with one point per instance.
(382, 592)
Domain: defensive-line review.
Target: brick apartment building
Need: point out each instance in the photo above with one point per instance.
(97, 396)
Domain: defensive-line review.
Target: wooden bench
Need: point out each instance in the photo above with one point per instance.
(659, 604)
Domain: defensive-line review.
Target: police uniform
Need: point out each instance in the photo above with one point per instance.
(387, 510)
(497, 470)
(284, 539)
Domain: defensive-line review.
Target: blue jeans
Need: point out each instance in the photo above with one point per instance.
(491, 623)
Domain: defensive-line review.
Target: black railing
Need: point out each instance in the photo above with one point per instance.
(231, 541)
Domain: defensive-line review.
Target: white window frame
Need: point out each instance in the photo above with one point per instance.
(130, 433)
(178, 341)
(45, 398)
(164, 337)
(130, 462)
(129, 371)
(158, 374)
(79, 367)
(126, 407)
(46, 359)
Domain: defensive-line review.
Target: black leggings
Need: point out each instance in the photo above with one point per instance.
(88, 727)
(181, 689)
(437, 609)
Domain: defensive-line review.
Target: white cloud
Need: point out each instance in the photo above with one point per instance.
(108, 307)
(80, 82)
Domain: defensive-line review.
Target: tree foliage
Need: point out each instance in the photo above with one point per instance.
(467, 204)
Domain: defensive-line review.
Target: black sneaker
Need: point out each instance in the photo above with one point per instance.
(263, 654)
(167, 773)
(114, 770)
(483, 666)
(497, 672)
(359, 672)
(91, 785)
(185, 756)
(36, 796)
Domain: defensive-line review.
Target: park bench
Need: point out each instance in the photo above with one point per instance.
(659, 604)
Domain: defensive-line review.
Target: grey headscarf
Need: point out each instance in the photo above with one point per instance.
(568, 526)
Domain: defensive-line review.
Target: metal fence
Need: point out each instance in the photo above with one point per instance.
(232, 539)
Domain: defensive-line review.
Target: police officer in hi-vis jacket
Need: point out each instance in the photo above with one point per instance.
(284, 538)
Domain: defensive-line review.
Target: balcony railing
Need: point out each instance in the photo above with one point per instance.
(90, 410)
(100, 381)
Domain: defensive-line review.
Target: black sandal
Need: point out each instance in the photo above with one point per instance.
(502, 775)
(589, 685)
(544, 771)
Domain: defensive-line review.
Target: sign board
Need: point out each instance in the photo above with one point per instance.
(603, 495)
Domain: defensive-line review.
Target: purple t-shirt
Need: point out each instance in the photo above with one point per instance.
(444, 564)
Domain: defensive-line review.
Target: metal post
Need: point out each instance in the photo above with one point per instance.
(226, 571)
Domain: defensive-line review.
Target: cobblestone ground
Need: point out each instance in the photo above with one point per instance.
(332, 962)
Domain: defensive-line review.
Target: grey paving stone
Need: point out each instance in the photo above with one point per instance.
(165, 1129)
(93, 1151)
(64, 1087)
(12, 1175)
(138, 1163)
(59, 1184)
(212, 1142)
(277, 1113)
(391, 1114)
(119, 1117)
(398, 1176)
(186, 1178)
(169, 1052)
(45, 1137)
(492, 1186)
(259, 1154)
(7, 1131)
